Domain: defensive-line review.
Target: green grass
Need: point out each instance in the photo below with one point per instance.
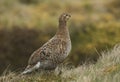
(24, 27)
(14, 13)
(106, 69)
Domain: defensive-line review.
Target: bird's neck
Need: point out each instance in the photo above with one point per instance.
(63, 30)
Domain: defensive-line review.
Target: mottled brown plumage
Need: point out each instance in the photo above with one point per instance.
(54, 51)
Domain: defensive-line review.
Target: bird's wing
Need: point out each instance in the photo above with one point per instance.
(48, 51)
(52, 51)
(37, 55)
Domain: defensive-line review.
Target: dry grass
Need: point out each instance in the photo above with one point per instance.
(107, 69)
(94, 24)
(36, 15)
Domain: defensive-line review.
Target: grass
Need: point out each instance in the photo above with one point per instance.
(35, 15)
(93, 26)
(106, 69)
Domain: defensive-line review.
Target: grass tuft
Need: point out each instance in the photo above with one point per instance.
(106, 69)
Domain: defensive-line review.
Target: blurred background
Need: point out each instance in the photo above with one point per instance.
(25, 25)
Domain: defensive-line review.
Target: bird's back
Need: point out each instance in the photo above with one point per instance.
(54, 51)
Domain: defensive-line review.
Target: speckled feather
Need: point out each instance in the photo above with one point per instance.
(55, 50)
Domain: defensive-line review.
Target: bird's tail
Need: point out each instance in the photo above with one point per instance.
(31, 68)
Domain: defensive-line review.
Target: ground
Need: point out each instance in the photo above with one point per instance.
(106, 69)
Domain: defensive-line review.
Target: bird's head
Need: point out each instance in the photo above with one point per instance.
(64, 17)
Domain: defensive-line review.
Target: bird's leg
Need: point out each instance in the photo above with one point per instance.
(59, 69)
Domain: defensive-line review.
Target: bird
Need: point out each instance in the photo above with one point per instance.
(54, 51)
